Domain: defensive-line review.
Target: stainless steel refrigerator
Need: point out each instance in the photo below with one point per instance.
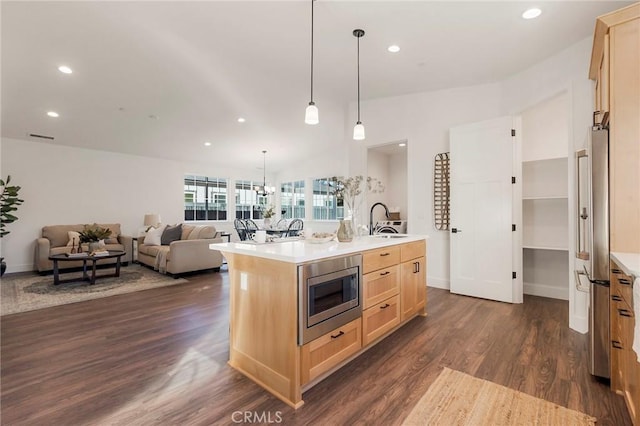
(593, 244)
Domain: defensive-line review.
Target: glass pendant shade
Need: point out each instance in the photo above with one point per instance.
(358, 131)
(311, 114)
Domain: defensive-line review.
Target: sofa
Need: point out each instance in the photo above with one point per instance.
(189, 253)
(55, 240)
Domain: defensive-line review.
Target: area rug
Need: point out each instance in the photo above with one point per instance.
(456, 398)
(22, 293)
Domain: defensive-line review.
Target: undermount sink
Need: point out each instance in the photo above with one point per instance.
(388, 236)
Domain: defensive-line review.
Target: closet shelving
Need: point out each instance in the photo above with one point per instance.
(545, 221)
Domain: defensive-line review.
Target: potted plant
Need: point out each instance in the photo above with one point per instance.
(9, 203)
(267, 214)
(92, 234)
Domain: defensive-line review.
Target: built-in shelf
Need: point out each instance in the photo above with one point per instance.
(545, 198)
(544, 248)
(550, 197)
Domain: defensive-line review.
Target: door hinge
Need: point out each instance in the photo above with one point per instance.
(513, 227)
(513, 132)
(513, 179)
(513, 275)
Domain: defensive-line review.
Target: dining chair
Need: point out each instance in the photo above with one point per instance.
(251, 226)
(241, 229)
(295, 227)
(281, 224)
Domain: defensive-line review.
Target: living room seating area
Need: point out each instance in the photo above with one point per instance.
(60, 239)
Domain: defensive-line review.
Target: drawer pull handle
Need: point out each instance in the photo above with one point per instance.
(337, 335)
(616, 271)
(385, 306)
(616, 298)
(385, 254)
(624, 313)
(624, 282)
(384, 273)
(616, 344)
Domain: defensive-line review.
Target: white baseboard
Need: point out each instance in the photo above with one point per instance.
(579, 324)
(20, 268)
(546, 291)
(438, 283)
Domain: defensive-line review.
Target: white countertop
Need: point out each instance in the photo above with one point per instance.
(628, 262)
(304, 251)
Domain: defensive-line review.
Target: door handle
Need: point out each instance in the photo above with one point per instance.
(455, 230)
(385, 273)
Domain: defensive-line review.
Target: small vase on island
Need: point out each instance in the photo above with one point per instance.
(345, 231)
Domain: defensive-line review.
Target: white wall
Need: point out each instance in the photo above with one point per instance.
(66, 185)
(397, 184)
(423, 120)
(545, 130)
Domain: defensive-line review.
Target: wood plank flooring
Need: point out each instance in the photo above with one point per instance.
(158, 357)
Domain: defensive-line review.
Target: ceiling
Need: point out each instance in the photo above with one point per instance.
(161, 78)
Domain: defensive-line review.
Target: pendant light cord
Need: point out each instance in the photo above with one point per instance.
(358, 79)
(312, 50)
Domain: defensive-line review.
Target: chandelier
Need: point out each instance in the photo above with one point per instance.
(263, 189)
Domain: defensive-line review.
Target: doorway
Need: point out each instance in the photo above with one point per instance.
(388, 163)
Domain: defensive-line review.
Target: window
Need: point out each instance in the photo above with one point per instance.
(249, 205)
(205, 198)
(325, 204)
(292, 200)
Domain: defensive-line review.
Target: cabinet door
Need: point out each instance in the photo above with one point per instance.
(325, 352)
(379, 319)
(380, 285)
(413, 290)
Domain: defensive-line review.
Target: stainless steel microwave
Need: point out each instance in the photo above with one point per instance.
(329, 295)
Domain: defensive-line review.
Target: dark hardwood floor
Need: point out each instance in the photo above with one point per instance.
(159, 357)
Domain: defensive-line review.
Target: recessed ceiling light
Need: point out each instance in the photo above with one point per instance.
(402, 144)
(53, 114)
(153, 117)
(531, 13)
(65, 69)
(207, 144)
(394, 48)
(241, 120)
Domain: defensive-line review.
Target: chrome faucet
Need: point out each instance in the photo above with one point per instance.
(386, 212)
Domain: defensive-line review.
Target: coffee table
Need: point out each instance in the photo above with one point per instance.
(85, 277)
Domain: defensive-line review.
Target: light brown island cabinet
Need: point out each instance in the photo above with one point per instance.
(264, 318)
(413, 276)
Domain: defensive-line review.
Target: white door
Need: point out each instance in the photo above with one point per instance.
(482, 240)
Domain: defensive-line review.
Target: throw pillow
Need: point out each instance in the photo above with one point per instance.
(74, 238)
(154, 236)
(171, 234)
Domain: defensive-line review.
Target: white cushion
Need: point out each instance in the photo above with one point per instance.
(154, 236)
(74, 238)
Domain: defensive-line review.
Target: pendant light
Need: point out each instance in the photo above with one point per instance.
(263, 190)
(358, 129)
(311, 113)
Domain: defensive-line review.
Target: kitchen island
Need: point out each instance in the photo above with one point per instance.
(266, 300)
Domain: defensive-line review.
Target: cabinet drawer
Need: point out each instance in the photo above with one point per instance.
(379, 319)
(622, 284)
(380, 285)
(413, 250)
(373, 260)
(325, 352)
